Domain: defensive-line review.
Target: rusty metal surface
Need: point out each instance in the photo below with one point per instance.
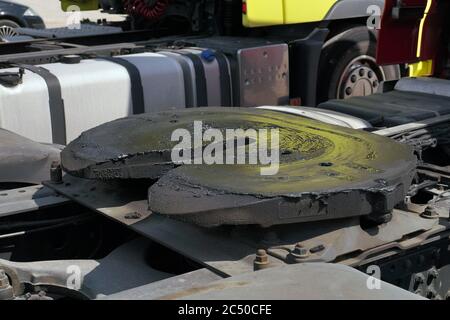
(299, 282)
(326, 171)
(124, 202)
(165, 287)
(124, 268)
(343, 240)
(213, 248)
(231, 250)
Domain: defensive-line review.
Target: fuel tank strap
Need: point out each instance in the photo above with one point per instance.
(187, 76)
(200, 78)
(225, 79)
(137, 91)
(56, 103)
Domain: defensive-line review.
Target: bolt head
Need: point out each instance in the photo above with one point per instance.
(300, 251)
(261, 256)
(261, 253)
(56, 172)
(261, 260)
(430, 213)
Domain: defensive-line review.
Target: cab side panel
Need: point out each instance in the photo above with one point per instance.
(278, 12)
(399, 34)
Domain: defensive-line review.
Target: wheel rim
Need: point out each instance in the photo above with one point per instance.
(7, 31)
(361, 77)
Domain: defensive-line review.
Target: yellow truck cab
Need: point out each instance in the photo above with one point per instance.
(258, 13)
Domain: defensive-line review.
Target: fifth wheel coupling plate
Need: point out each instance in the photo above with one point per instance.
(325, 171)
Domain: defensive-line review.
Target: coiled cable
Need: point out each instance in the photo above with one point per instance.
(141, 8)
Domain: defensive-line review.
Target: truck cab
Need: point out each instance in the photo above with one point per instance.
(415, 33)
(332, 42)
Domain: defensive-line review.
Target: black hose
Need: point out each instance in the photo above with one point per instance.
(24, 225)
(142, 9)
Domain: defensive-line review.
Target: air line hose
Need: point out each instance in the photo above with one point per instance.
(141, 8)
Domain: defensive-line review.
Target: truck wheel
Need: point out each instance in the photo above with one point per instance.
(348, 67)
(7, 28)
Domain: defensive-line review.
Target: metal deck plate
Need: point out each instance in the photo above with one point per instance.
(127, 204)
(28, 199)
(231, 250)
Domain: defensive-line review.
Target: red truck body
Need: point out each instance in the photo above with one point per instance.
(413, 31)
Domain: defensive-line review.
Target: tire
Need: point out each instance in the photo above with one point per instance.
(106, 5)
(7, 28)
(348, 67)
